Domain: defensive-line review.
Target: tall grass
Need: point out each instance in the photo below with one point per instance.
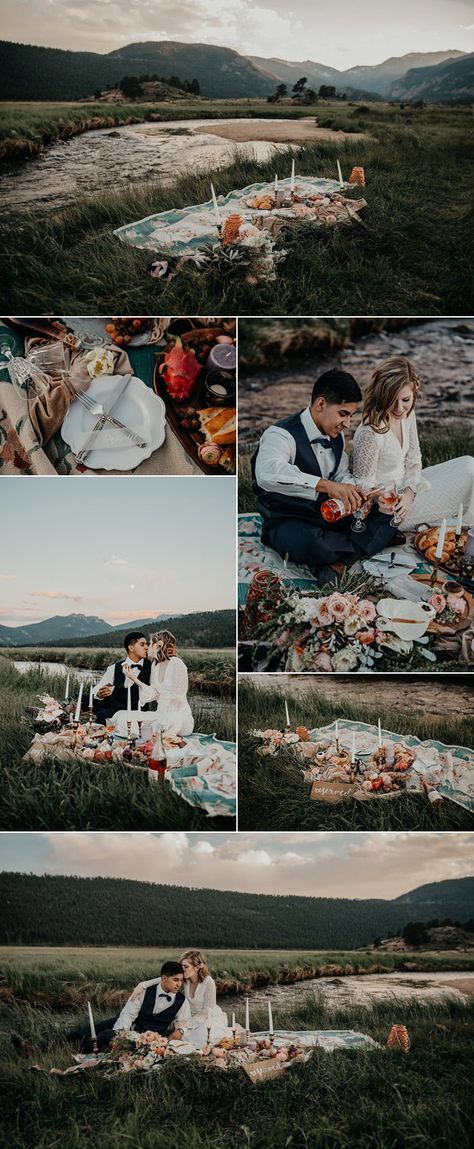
(349, 1099)
(57, 795)
(411, 256)
(274, 796)
(209, 670)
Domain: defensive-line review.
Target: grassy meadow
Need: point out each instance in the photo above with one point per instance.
(51, 795)
(273, 794)
(410, 255)
(375, 1099)
(210, 671)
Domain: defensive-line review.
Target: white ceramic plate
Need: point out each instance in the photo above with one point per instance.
(138, 407)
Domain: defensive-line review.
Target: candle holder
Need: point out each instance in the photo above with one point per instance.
(130, 737)
(95, 1047)
(208, 1035)
(233, 1034)
(434, 577)
(91, 713)
(247, 1037)
(271, 1038)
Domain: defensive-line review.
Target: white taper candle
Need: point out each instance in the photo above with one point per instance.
(459, 520)
(353, 755)
(292, 184)
(77, 716)
(270, 1018)
(287, 716)
(247, 1015)
(380, 733)
(66, 692)
(441, 538)
(339, 172)
(91, 1022)
(216, 209)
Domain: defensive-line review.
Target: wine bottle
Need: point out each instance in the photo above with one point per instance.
(334, 509)
(157, 760)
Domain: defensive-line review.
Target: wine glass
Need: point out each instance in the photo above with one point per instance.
(23, 377)
(388, 502)
(361, 513)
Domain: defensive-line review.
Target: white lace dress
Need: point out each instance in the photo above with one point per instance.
(204, 1012)
(169, 686)
(438, 490)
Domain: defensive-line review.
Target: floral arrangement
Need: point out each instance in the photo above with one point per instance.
(147, 1051)
(386, 772)
(447, 607)
(140, 1051)
(100, 361)
(338, 631)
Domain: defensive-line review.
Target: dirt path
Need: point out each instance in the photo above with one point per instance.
(434, 700)
(302, 131)
(442, 350)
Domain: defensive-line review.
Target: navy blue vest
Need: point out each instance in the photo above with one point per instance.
(157, 1022)
(275, 506)
(120, 694)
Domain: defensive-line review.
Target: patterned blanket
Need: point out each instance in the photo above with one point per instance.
(184, 231)
(204, 774)
(254, 556)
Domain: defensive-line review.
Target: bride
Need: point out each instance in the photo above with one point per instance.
(386, 452)
(168, 686)
(200, 990)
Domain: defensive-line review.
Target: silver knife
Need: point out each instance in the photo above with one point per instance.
(80, 457)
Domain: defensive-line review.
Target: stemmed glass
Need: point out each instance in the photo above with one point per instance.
(361, 513)
(23, 376)
(389, 497)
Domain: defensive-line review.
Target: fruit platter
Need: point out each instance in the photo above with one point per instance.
(385, 771)
(195, 375)
(328, 207)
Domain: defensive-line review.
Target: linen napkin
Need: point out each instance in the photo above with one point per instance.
(48, 410)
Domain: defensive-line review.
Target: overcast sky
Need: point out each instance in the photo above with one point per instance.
(351, 865)
(117, 548)
(340, 33)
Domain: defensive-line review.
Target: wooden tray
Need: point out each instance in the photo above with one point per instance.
(190, 440)
(452, 574)
(446, 628)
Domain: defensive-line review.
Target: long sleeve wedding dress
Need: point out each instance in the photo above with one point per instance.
(438, 490)
(169, 686)
(205, 1012)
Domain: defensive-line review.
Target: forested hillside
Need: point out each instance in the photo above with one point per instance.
(56, 910)
(206, 629)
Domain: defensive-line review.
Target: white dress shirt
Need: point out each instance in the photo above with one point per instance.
(108, 678)
(275, 468)
(134, 1004)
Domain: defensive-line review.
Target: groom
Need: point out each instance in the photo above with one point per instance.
(301, 462)
(111, 692)
(157, 1005)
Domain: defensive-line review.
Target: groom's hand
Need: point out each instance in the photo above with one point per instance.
(105, 692)
(349, 495)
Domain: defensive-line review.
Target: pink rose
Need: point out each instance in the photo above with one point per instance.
(366, 637)
(322, 613)
(438, 602)
(456, 603)
(322, 662)
(338, 605)
(366, 610)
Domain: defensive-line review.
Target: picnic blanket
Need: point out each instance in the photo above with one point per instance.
(203, 772)
(254, 556)
(21, 452)
(256, 1064)
(184, 231)
(447, 769)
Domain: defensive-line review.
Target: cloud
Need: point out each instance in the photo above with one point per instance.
(255, 858)
(55, 594)
(116, 561)
(7, 578)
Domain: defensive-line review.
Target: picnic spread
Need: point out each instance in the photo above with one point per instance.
(349, 759)
(244, 227)
(119, 395)
(201, 769)
(261, 1056)
(401, 606)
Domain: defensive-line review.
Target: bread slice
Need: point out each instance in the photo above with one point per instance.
(218, 425)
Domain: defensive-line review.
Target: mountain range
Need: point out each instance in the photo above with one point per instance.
(28, 72)
(199, 628)
(57, 910)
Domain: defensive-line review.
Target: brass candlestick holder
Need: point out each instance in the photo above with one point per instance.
(129, 732)
(208, 1035)
(233, 1034)
(91, 713)
(434, 577)
(271, 1038)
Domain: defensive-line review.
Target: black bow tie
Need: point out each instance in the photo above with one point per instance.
(167, 995)
(134, 665)
(322, 442)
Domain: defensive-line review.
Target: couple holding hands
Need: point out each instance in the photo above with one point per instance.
(152, 672)
(301, 462)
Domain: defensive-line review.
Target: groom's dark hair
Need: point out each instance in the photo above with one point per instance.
(169, 968)
(337, 387)
(133, 637)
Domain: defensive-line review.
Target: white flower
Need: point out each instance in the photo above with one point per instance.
(351, 624)
(344, 660)
(304, 610)
(100, 362)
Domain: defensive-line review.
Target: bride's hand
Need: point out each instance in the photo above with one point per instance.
(404, 502)
(127, 670)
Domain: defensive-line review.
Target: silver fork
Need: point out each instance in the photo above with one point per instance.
(98, 410)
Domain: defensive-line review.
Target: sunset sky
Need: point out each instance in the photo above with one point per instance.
(116, 548)
(351, 865)
(340, 33)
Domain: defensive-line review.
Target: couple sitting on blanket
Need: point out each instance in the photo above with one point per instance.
(301, 462)
(179, 1004)
(155, 674)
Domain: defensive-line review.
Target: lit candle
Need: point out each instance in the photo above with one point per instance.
(353, 756)
(77, 716)
(91, 1022)
(380, 734)
(216, 209)
(276, 182)
(66, 692)
(292, 184)
(458, 522)
(341, 181)
(287, 713)
(441, 538)
(90, 697)
(129, 696)
(247, 1015)
(270, 1018)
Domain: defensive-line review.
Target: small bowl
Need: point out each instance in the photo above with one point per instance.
(408, 620)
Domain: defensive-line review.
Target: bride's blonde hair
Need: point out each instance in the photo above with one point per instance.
(165, 645)
(199, 962)
(386, 382)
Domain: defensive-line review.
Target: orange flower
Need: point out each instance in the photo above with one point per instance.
(398, 1038)
(302, 733)
(230, 228)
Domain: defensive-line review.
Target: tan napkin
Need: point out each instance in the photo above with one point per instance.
(48, 410)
